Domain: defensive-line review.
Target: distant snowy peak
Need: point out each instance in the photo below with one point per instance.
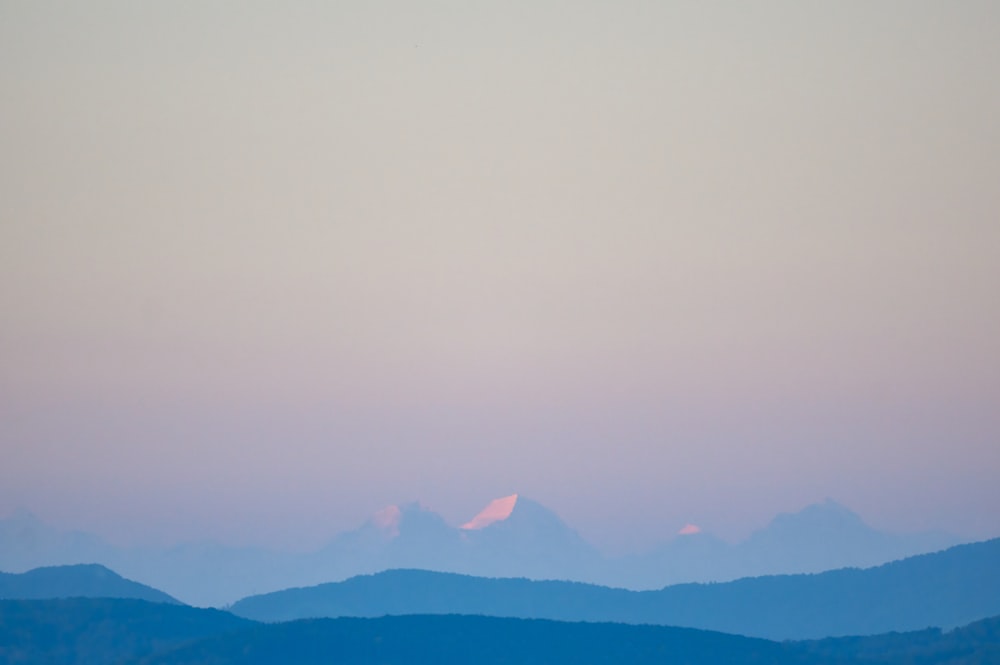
(496, 510)
(395, 520)
(388, 519)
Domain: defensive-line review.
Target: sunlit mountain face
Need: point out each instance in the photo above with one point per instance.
(388, 520)
(496, 511)
(511, 536)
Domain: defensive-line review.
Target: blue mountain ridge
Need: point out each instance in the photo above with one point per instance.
(532, 542)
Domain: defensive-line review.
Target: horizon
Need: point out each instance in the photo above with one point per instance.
(389, 515)
(265, 270)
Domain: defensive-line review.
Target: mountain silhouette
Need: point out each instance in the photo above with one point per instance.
(945, 589)
(197, 573)
(820, 537)
(531, 542)
(407, 536)
(27, 542)
(80, 580)
(828, 535)
(517, 537)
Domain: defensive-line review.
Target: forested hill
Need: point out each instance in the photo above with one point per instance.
(88, 631)
(132, 632)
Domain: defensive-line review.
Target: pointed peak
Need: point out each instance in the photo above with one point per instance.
(388, 519)
(496, 511)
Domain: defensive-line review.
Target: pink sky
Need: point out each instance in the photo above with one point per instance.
(263, 273)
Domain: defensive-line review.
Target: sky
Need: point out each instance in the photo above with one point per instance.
(268, 267)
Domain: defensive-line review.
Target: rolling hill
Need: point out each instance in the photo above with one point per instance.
(132, 632)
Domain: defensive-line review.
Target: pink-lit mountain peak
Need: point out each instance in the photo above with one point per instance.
(689, 530)
(388, 520)
(496, 511)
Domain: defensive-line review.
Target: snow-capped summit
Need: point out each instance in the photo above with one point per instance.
(515, 536)
(388, 519)
(496, 510)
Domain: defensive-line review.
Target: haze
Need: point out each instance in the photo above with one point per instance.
(266, 268)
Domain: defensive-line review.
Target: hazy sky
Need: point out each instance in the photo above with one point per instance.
(266, 267)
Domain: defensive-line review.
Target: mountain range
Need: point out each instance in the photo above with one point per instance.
(944, 589)
(408, 616)
(511, 537)
(822, 536)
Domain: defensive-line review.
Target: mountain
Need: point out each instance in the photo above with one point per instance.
(26, 542)
(691, 557)
(944, 589)
(87, 630)
(529, 540)
(197, 573)
(822, 536)
(515, 536)
(827, 535)
(208, 574)
(407, 536)
(81, 580)
(512, 536)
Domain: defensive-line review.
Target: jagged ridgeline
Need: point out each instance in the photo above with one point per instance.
(511, 536)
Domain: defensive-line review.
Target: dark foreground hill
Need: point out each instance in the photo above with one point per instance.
(975, 644)
(85, 630)
(444, 639)
(82, 630)
(82, 580)
(946, 589)
(75, 631)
